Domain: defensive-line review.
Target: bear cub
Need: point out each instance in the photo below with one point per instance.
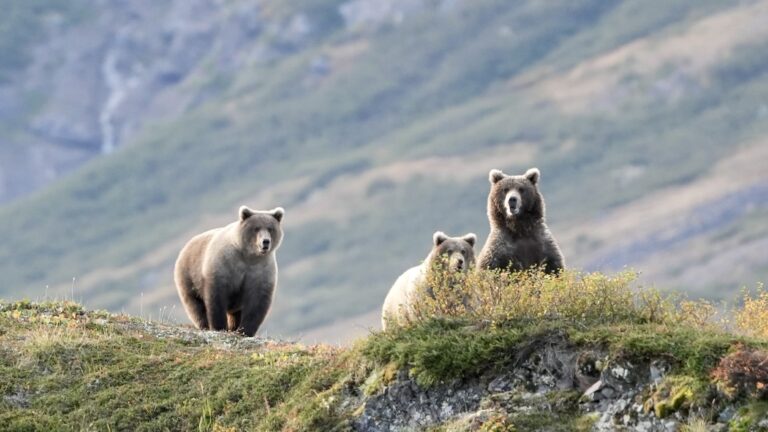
(458, 254)
(519, 237)
(226, 277)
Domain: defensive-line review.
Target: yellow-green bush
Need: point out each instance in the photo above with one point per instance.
(752, 318)
(531, 296)
(497, 297)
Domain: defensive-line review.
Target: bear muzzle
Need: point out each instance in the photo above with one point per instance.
(457, 262)
(263, 242)
(513, 202)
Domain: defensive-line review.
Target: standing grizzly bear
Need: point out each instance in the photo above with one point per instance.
(519, 237)
(226, 276)
(459, 255)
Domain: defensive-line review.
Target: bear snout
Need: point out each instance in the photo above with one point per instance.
(513, 203)
(457, 262)
(263, 242)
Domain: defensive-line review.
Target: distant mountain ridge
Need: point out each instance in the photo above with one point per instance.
(375, 124)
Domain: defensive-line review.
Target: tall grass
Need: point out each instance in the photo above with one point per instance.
(752, 317)
(575, 298)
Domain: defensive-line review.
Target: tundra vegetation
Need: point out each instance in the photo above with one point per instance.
(64, 367)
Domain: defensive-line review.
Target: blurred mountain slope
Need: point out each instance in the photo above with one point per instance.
(375, 124)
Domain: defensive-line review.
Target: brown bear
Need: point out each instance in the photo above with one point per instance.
(519, 237)
(226, 276)
(459, 255)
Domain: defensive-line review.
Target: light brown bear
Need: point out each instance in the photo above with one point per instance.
(459, 255)
(519, 238)
(226, 277)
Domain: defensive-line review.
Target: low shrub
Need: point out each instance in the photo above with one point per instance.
(752, 318)
(533, 296)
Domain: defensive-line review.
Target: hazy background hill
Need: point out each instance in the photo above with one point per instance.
(126, 127)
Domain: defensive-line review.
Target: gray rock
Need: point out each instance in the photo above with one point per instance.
(614, 399)
(499, 384)
(404, 405)
(593, 394)
(608, 392)
(19, 399)
(726, 414)
(658, 370)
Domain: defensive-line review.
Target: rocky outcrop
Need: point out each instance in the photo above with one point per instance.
(552, 384)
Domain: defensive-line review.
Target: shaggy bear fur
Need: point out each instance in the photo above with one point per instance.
(519, 238)
(226, 277)
(459, 255)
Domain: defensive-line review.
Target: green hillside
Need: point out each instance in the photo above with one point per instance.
(468, 87)
(553, 362)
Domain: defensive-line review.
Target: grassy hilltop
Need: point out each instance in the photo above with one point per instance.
(66, 368)
(625, 106)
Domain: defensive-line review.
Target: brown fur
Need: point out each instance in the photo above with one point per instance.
(519, 238)
(226, 277)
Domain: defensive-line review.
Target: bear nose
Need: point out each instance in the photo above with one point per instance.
(513, 201)
(265, 243)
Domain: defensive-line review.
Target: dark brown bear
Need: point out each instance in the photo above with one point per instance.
(226, 277)
(519, 237)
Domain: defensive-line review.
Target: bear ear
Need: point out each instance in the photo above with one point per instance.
(245, 213)
(533, 175)
(495, 175)
(470, 238)
(438, 238)
(278, 213)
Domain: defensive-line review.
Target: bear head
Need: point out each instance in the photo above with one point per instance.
(514, 198)
(260, 231)
(456, 252)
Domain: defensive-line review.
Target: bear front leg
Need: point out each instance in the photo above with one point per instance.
(195, 308)
(216, 309)
(233, 320)
(254, 311)
(554, 262)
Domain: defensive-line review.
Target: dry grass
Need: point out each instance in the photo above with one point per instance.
(581, 299)
(752, 318)
(533, 296)
(696, 425)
